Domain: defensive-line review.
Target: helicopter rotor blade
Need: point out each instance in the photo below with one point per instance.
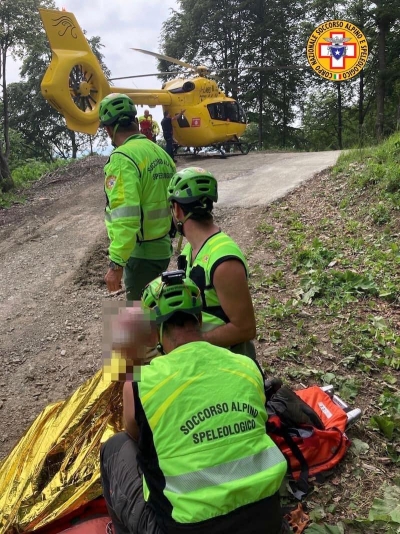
(228, 69)
(145, 75)
(165, 58)
(266, 68)
(278, 67)
(227, 83)
(216, 77)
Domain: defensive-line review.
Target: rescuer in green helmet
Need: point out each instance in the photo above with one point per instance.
(214, 261)
(195, 456)
(137, 214)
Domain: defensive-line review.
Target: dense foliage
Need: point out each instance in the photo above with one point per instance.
(292, 106)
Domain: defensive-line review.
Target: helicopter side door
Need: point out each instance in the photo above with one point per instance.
(227, 118)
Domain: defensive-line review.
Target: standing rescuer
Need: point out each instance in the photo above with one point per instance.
(214, 261)
(137, 217)
(168, 131)
(195, 456)
(155, 129)
(145, 124)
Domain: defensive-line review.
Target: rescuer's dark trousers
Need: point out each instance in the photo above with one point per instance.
(123, 491)
(123, 488)
(169, 146)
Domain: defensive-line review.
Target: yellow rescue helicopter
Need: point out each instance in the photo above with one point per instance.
(74, 84)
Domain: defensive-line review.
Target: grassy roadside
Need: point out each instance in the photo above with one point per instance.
(325, 269)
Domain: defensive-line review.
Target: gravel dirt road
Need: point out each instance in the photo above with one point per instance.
(53, 252)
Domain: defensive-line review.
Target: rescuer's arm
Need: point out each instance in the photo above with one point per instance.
(230, 283)
(129, 420)
(155, 128)
(122, 187)
(124, 203)
(177, 115)
(113, 279)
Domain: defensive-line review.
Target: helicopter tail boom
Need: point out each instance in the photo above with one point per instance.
(146, 97)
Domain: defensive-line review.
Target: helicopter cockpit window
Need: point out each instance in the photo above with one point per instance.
(217, 111)
(227, 111)
(242, 114)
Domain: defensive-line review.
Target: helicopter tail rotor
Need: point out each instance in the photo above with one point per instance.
(72, 60)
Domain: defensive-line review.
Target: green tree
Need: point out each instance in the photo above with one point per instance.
(371, 97)
(209, 32)
(386, 15)
(320, 118)
(19, 23)
(274, 79)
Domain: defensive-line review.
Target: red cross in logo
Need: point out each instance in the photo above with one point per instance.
(196, 122)
(328, 50)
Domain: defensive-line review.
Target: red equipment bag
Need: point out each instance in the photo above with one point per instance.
(90, 518)
(100, 525)
(312, 447)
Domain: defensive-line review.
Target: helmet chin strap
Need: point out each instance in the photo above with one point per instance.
(159, 346)
(113, 136)
(179, 229)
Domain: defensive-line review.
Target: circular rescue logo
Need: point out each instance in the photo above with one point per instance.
(110, 181)
(337, 50)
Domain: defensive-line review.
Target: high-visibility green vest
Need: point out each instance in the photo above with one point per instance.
(137, 175)
(214, 251)
(206, 452)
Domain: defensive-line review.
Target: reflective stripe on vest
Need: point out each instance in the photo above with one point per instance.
(223, 473)
(158, 214)
(125, 211)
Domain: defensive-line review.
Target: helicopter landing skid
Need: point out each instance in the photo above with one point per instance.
(233, 148)
(236, 148)
(225, 150)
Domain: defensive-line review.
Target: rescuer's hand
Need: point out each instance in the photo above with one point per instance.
(113, 279)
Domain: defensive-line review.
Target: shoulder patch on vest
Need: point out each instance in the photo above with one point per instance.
(110, 181)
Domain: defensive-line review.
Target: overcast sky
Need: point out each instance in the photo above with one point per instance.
(121, 25)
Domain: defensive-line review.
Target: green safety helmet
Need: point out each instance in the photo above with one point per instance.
(191, 184)
(171, 293)
(116, 108)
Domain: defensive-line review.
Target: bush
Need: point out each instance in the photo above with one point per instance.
(33, 170)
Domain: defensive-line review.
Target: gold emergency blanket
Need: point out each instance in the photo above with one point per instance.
(55, 467)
